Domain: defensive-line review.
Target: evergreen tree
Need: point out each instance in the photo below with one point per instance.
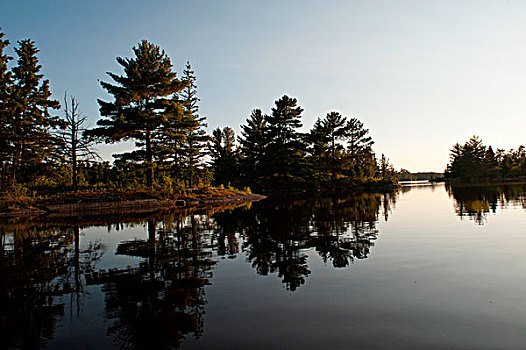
(318, 140)
(285, 148)
(6, 83)
(253, 141)
(337, 129)
(471, 161)
(455, 154)
(473, 157)
(490, 162)
(31, 125)
(144, 107)
(359, 149)
(225, 158)
(196, 137)
(358, 139)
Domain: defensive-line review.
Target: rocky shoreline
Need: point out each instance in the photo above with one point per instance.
(108, 203)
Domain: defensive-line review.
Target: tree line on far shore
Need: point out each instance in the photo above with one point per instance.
(474, 162)
(159, 111)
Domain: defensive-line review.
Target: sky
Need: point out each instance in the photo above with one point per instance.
(421, 75)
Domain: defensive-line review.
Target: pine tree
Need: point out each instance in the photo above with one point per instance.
(470, 161)
(490, 162)
(358, 139)
(285, 149)
(144, 107)
(34, 145)
(337, 129)
(6, 82)
(196, 138)
(225, 158)
(253, 141)
(318, 140)
(359, 149)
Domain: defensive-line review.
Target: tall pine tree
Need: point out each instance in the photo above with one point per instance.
(253, 141)
(144, 107)
(285, 148)
(196, 140)
(6, 82)
(225, 158)
(359, 149)
(318, 140)
(337, 129)
(31, 125)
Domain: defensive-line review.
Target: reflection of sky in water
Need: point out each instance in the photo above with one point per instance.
(429, 279)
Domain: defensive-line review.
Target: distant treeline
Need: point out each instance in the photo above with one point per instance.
(159, 111)
(406, 175)
(475, 161)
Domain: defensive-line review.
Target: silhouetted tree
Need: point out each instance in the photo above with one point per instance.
(145, 107)
(285, 148)
(253, 142)
(359, 149)
(6, 83)
(318, 140)
(196, 138)
(468, 161)
(337, 129)
(224, 155)
(33, 143)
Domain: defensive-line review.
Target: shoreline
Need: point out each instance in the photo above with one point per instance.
(85, 203)
(504, 181)
(104, 203)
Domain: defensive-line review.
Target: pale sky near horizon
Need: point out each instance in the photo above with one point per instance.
(421, 75)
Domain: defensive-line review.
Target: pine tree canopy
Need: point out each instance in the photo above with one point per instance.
(145, 105)
(284, 151)
(30, 122)
(194, 146)
(358, 139)
(5, 111)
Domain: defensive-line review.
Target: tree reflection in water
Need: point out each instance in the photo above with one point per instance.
(155, 304)
(40, 264)
(160, 300)
(276, 236)
(476, 202)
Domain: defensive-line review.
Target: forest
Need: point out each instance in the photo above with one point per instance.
(476, 162)
(46, 146)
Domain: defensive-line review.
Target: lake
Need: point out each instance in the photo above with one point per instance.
(429, 266)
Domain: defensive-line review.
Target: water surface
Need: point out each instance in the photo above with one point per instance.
(427, 267)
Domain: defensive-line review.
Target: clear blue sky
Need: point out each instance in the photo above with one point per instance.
(421, 75)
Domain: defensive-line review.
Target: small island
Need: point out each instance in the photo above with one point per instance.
(49, 161)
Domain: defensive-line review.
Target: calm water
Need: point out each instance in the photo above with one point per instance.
(427, 267)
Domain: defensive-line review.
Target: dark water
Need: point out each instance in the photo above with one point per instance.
(427, 267)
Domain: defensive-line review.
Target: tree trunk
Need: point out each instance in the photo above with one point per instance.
(149, 160)
(74, 164)
(16, 163)
(333, 159)
(4, 167)
(191, 178)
